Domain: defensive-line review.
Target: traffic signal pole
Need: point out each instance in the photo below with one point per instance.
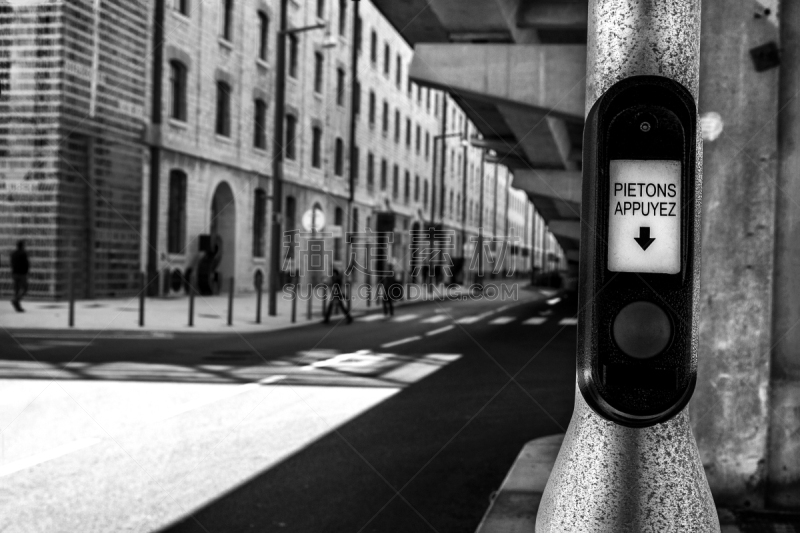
(629, 461)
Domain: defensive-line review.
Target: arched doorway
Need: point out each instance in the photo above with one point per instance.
(223, 233)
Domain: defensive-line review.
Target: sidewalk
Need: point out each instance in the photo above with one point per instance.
(514, 506)
(172, 314)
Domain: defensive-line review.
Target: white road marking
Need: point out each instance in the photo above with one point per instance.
(568, 322)
(546, 312)
(233, 391)
(55, 453)
(404, 318)
(401, 341)
(535, 321)
(553, 301)
(468, 320)
(88, 336)
(371, 318)
(435, 319)
(440, 330)
(501, 320)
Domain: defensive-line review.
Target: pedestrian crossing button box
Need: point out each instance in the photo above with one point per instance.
(636, 356)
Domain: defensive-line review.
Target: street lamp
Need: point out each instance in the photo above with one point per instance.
(277, 160)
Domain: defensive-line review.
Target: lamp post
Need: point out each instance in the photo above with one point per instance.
(277, 158)
(432, 225)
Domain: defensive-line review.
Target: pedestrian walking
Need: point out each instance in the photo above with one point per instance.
(19, 273)
(336, 298)
(386, 283)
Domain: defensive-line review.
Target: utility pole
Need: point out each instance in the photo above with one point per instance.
(354, 103)
(619, 468)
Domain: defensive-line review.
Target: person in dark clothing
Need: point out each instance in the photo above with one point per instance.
(19, 273)
(336, 298)
(386, 283)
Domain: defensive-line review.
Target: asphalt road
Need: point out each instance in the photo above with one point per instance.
(378, 426)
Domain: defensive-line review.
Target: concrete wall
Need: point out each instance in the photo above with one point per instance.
(730, 407)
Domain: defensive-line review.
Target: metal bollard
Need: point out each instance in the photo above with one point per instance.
(191, 304)
(71, 297)
(230, 303)
(141, 298)
(258, 304)
(294, 303)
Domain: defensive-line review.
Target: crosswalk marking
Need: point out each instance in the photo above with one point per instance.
(404, 318)
(568, 322)
(499, 321)
(553, 301)
(371, 318)
(440, 330)
(435, 319)
(468, 319)
(401, 341)
(535, 321)
(546, 312)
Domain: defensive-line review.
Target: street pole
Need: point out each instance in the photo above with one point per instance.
(354, 96)
(277, 162)
(464, 203)
(610, 477)
(480, 218)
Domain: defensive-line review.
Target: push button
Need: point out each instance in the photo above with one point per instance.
(642, 330)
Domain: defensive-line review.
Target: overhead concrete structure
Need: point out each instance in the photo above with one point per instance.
(517, 69)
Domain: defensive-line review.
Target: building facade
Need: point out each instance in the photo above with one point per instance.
(71, 100)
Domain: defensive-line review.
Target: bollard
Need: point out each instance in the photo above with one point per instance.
(141, 298)
(294, 303)
(629, 461)
(310, 301)
(258, 304)
(191, 304)
(230, 303)
(71, 297)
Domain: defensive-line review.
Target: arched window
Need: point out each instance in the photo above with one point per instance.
(177, 81)
(316, 146)
(342, 17)
(291, 132)
(416, 187)
(407, 187)
(425, 193)
(176, 214)
(259, 223)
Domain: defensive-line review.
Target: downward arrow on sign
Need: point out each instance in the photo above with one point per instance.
(644, 239)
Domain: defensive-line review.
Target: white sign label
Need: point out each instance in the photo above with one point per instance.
(644, 216)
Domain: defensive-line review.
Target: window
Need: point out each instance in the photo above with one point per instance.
(458, 205)
(427, 144)
(357, 89)
(292, 55)
(338, 161)
(182, 7)
(399, 73)
(316, 146)
(419, 139)
(338, 220)
(384, 172)
(291, 210)
(436, 104)
(416, 187)
(260, 223)
(397, 125)
(419, 94)
(223, 126)
(342, 17)
(177, 81)
(387, 52)
(291, 133)
(263, 35)
(395, 182)
(319, 61)
(320, 9)
(385, 117)
(260, 124)
(408, 132)
(226, 31)
(410, 87)
(370, 171)
(407, 187)
(176, 217)
(340, 86)
(354, 220)
(451, 204)
(425, 193)
(372, 108)
(373, 47)
(355, 164)
(427, 100)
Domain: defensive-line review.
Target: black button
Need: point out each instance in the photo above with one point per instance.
(642, 330)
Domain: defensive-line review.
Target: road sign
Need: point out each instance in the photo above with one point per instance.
(644, 216)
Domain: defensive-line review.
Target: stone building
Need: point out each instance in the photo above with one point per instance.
(71, 101)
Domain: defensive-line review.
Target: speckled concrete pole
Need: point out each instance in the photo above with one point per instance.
(609, 478)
